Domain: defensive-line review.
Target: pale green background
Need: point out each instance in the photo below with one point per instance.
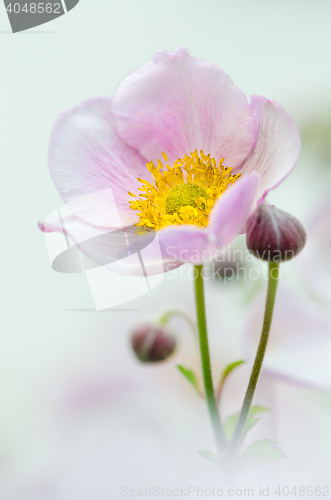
(280, 49)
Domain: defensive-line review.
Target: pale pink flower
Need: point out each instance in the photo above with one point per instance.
(175, 104)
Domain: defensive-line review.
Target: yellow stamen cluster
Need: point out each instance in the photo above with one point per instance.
(182, 194)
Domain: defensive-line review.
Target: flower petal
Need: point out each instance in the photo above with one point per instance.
(181, 244)
(121, 250)
(177, 104)
(277, 147)
(231, 211)
(87, 156)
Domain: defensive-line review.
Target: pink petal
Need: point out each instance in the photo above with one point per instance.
(187, 243)
(87, 156)
(231, 211)
(120, 250)
(177, 104)
(277, 147)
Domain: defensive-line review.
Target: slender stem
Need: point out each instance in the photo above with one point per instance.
(270, 302)
(205, 360)
(175, 311)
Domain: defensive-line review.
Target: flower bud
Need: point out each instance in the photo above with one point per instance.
(152, 343)
(274, 235)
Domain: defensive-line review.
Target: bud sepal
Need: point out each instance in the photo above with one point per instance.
(274, 235)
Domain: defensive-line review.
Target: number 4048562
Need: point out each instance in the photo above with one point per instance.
(34, 8)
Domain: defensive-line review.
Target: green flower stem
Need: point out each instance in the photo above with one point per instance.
(173, 312)
(205, 360)
(270, 302)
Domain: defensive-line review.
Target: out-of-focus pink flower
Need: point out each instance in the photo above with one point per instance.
(175, 106)
(314, 264)
(299, 349)
(117, 425)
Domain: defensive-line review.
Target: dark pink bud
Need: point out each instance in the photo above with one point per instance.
(274, 235)
(152, 343)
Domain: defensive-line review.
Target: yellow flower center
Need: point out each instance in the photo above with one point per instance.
(182, 194)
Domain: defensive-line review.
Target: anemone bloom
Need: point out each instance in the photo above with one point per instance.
(220, 155)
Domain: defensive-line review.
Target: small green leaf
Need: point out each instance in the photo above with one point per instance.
(232, 420)
(210, 456)
(190, 376)
(251, 419)
(226, 372)
(262, 450)
(231, 367)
